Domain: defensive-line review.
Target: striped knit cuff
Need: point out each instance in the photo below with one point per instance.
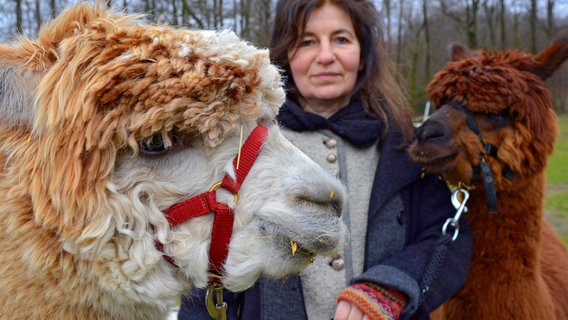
(374, 301)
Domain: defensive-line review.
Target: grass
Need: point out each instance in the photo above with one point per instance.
(556, 201)
(557, 172)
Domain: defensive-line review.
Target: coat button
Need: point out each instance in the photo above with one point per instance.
(330, 143)
(337, 263)
(331, 158)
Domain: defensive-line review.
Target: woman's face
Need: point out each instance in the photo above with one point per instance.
(326, 63)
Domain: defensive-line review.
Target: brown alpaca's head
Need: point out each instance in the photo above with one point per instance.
(506, 97)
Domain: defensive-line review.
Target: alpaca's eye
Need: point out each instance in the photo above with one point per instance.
(153, 145)
(501, 115)
(159, 144)
(501, 119)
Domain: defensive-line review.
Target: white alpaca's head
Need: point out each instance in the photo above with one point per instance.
(107, 122)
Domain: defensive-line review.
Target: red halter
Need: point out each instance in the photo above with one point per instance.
(206, 203)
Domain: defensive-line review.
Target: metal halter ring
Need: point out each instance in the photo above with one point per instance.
(218, 185)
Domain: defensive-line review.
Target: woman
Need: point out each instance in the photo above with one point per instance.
(346, 111)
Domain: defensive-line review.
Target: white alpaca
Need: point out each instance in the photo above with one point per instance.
(106, 123)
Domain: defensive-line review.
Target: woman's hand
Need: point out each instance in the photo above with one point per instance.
(348, 311)
(366, 301)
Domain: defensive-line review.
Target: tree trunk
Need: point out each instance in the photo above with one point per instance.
(471, 12)
(38, 15)
(388, 37)
(263, 38)
(174, 14)
(150, 9)
(532, 24)
(244, 20)
(399, 33)
(502, 23)
(550, 28)
(53, 7)
(427, 41)
(19, 20)
(489, 10)
(516, 23)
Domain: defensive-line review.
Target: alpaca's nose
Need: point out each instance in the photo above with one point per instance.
(336, 207)
(431, 130)
(329, 202)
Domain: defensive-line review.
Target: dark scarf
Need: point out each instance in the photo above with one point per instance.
(351, 123)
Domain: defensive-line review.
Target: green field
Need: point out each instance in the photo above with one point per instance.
(556, 202)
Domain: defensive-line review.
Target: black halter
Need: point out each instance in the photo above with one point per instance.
(483, 167)
(440, 251)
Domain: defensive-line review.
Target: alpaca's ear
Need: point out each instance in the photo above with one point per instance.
(17, 89)
(23, 64)
(459, 51)
(551, 58)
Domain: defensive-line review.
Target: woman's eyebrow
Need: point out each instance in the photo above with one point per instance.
(334, 32)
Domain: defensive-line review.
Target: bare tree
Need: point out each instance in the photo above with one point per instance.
(263, 23)
(502, 24)
(53, 8)
(427, 41)
(388, 31)
(532, 24)
(490, 11)
(174, 13)
(19, 19)
(187, 12)
(467, 23)
(150, 9)
(245, 19)
(399, 32)
(37, 15)
(415, 29)
(217, 13)
(550, 25)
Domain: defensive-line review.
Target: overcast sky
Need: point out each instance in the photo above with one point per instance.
(562, 7)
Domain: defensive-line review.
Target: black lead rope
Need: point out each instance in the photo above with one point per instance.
(434, 265)
(459, 199)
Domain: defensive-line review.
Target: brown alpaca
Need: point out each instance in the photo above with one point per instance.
(519, 267)
(113, 135)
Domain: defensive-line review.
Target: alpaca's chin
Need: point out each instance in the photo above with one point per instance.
(276, 253)
(239, 277)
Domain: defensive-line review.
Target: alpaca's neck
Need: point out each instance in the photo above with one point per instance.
(505, 280)
(513, 232)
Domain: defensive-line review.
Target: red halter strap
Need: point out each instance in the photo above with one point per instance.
(207, 203)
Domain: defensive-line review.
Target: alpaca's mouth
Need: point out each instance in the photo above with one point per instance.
(435, 163)
(299, 246)
(440, 164)
(298, 249)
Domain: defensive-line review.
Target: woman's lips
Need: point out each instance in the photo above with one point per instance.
(325, 76)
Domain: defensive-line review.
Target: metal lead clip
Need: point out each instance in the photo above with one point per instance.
(459, 198)
(217, 310)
